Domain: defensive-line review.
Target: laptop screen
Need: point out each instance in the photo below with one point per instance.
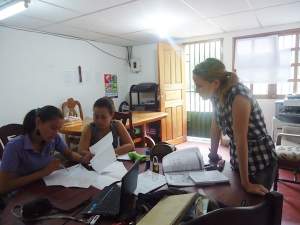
(128, 186)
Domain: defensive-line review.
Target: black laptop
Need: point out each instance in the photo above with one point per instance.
(116, 199)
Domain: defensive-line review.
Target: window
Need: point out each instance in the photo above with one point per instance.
(194, 54)
(272, 62)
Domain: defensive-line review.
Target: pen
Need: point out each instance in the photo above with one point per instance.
(64, 167)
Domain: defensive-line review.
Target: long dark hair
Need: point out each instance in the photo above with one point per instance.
(45, 114)
(105, 102)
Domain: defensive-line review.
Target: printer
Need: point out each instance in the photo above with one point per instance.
(288, 110)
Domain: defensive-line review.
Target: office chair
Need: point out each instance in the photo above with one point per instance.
(72, 108)
(288, 151)
(7, 132)
(127, 116)
(269, 212)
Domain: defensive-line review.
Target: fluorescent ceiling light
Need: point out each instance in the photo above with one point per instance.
(12, 9)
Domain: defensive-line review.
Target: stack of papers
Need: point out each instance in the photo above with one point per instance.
(79, 176)
(107, 169)
(149, 181)
(75, 176)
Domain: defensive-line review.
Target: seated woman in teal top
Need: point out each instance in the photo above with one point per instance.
(103, 124)
(29, 157)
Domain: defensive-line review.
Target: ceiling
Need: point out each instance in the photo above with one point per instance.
(135, 22)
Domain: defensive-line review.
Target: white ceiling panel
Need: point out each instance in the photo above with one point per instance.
(195, 28)
(24, 22)
(133, 22)
(266, 3)
(118, 41)
(143, 37)
(213, 8)
(235, 22)
(86, 6)
(71, 31)
(279, 15)
(140, 15)
(48, 12)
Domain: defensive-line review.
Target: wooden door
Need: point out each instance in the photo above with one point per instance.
(172, 93)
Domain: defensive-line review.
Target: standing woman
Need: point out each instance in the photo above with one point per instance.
(237, 114)
(29, 157)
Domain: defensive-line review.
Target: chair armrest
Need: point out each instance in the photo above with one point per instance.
(280, 135)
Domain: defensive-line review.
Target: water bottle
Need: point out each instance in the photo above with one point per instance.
(155, 165)
(147, 153)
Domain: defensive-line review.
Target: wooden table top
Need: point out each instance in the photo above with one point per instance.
(229, 194)
(138, 119)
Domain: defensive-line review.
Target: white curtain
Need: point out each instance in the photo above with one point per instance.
(262, 60)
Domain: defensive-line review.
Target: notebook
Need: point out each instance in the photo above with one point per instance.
(149, 181)
(178, 165)
(208, 177)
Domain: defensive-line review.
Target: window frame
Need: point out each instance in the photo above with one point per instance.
(189, 90)
(272, 88)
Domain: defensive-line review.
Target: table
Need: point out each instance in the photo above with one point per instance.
(138, 119)
(67, 198)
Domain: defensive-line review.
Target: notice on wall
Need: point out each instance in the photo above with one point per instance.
(111, 85)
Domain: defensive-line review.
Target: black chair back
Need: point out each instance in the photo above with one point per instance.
(7, 132)
(269, 212)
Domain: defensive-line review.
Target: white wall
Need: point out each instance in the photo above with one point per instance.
(34, 67)
(147, 54)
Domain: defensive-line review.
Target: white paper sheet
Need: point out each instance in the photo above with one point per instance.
(107, 169)
(79, 176)
(75, 176)
(103, 181)
(149, 181)
(124, 157)
(103, 158)
(102, 144)
(115, 170)
(179, 179)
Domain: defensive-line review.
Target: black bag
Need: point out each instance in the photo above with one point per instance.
(161, 149)
(33, 209)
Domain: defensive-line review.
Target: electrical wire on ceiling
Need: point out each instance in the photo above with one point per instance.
(67, 37)
(105, 52)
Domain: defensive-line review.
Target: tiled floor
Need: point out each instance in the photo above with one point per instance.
(291, 192)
